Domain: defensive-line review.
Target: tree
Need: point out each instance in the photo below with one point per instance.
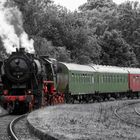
(101, 32)
(116, 51)
(129, 24)
(97, 4)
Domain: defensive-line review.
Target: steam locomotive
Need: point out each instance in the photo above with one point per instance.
(29, 81)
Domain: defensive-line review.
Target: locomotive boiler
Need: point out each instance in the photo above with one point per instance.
(22, 79)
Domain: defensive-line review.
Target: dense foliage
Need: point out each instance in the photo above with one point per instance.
(101, 32)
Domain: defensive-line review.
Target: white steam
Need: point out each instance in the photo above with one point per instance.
(26, 42)
(11, 29)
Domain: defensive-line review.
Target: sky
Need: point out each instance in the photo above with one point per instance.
(74, 4)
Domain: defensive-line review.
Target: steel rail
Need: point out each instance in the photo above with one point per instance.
(138, 113)
(124, 119)
(11, 127)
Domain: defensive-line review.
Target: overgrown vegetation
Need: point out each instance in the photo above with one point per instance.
(87, 122)
(101, 32)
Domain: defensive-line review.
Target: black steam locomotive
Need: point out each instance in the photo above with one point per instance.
(28, 82)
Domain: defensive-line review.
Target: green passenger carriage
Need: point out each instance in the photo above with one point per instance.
(85, 82)
(111, 79)
(76, 80)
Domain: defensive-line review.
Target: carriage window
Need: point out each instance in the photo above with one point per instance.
(83, 78)
(111, 79)
(115, 79)
(89, 79)
(76, 78)
(124, 79)
(73, 77)
(105, 78)
(93, 79)
(118, 79)
(121, 79)
(136, 78)
(102, 79)
(80, 78)
(108, 78)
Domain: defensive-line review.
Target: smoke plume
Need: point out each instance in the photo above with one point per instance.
(11, 29)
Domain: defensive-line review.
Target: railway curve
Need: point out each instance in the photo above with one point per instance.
(18, 129)
(126, 118)
(5, 119)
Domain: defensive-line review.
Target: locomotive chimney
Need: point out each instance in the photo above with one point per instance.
(15, 51)
(22, 50)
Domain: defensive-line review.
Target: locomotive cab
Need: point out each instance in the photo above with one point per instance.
(52, 94)
(50, 75)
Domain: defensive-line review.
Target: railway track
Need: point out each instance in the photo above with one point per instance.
(129, 114)
(4, 122)
(138, 112)
(14, 127)
(11, 130)
(18, 129)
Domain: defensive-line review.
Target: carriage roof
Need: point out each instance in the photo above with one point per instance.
(133, 70)
(109, 69)
(101, 68)
(78, 67)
